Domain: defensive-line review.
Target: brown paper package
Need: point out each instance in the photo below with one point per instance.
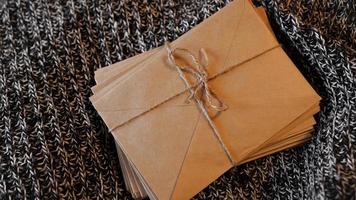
(168, 143)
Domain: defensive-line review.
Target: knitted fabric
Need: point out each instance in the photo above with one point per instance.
(53, 144)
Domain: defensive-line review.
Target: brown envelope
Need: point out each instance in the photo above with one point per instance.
(168, 142)
(106, 75)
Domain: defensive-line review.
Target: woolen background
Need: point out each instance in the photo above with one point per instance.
(53, 144)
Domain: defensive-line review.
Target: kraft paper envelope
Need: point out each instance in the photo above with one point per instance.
(168, 142)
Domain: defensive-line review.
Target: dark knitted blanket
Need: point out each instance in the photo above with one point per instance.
(53, 144)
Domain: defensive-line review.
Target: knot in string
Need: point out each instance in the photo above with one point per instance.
(201, 89)
(200, 92)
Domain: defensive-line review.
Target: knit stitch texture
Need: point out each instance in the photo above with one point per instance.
(54, 145)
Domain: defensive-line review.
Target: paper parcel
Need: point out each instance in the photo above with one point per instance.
(169, 145)
(111, 73)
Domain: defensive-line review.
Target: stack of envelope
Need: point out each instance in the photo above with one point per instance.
(166, 146)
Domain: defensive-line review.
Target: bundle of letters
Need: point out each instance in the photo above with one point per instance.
(222, 94)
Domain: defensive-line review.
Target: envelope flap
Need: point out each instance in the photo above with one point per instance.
(204, 162)
(231, 36)
(158, 154)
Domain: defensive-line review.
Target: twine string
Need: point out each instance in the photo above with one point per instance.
(200, 91)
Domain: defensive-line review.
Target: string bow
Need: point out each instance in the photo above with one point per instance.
(200, 92)
(200, 89)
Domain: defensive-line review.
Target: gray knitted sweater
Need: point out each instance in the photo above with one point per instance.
(53, 144)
